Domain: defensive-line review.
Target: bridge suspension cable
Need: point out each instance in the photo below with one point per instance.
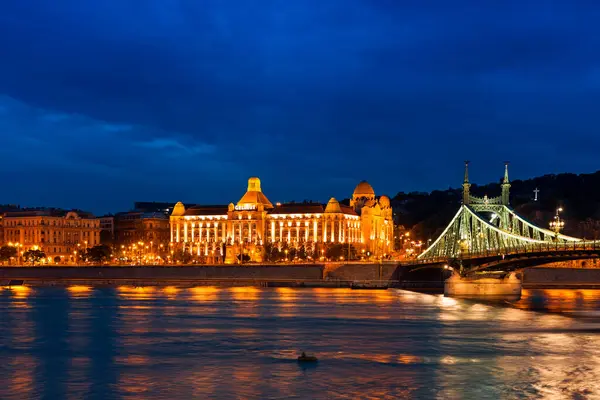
(490, 225)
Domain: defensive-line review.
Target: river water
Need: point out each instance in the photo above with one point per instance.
(241, 343)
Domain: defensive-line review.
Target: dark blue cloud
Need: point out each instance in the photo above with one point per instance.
(152, 99)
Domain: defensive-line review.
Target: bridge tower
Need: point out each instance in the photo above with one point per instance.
(466, 186)
(505, 186)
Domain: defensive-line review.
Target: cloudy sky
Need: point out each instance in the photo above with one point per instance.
(106, 102)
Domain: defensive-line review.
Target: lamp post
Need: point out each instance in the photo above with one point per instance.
(19, 250)
(557, 224)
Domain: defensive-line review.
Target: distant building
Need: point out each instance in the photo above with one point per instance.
(153, 207)
(59, 233)
(135, 226)
(4, 208)
(245, 227)
(107, 229)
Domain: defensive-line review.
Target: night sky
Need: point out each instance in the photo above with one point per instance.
(106, 102)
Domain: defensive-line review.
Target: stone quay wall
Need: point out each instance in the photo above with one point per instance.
(386, 271)
(167, 273)
(591, 263)
(554, 276)
(329, 272)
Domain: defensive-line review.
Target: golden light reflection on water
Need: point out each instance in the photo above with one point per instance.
(245, 331)
(19, 292)
(171, 291)
(560, 300)
(204, 382)
(287, 299)
(172, 349)
(136, 385)
(321, 293)
(383, 296)
(337, 295)
(204, 293)
(245, 293)
(408, 359)
(133, 360)
(21, 380)
(137, 292)
(79, 290)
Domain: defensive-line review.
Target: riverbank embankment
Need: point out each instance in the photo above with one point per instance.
(357, 275)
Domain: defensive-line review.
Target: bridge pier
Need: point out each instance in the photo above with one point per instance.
(508, 288)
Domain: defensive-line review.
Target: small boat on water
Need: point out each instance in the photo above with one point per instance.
(304, 358)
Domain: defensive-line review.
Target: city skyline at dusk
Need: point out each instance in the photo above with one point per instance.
(102, 105)
(339, 199)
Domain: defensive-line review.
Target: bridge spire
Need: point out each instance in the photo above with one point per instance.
(466, 185)
(505, 186)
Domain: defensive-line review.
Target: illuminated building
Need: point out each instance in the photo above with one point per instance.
(4, 208)
(58, 233)
(222, 232)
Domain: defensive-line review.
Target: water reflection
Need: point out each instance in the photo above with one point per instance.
(21, 375)
(137, 292)
(245, 293)
(204, 293)
(560, 300)
(171, 291)
(19, 292)
(209, 342)
(79, 291)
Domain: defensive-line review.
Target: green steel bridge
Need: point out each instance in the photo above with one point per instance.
(486, 235)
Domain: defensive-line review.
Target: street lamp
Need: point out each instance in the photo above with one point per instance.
(557, 224)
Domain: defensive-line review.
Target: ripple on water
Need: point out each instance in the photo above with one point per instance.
(208, 342)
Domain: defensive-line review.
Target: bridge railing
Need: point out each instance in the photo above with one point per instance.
(532, 248)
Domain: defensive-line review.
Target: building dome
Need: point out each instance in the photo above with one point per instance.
(333, 206)
(178, 210)
(384, 201)
(363, 189)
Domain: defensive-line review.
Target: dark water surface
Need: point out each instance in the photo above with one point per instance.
(219, 343)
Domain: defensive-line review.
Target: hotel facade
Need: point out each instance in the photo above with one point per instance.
(60, 234)
(223, 232)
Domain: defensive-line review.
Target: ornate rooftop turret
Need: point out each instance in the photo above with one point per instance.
(178, 210)
(333, 206)
(254, 195)
(466, 185)
(505, 186)
(384, 201)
